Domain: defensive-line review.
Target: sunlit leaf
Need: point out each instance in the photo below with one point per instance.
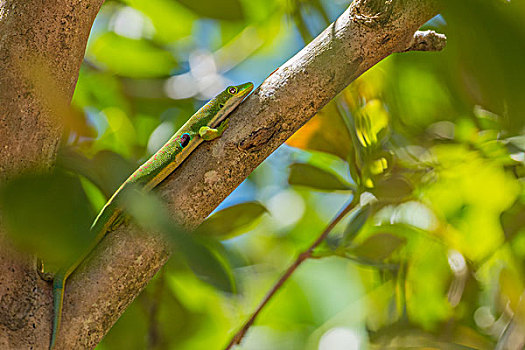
(232, 221)
(325, 132)
(163, 13)
(94, 194)
(511, 287)
(464, 183)
(135, 58)
(311, 176)
(370, 122)
(229, 10)
(120, 135)
(427, 283)
(378, 247)
(88, 93)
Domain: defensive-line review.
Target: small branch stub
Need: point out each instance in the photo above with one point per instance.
(427, 40)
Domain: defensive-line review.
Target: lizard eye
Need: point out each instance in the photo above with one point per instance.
(184, 140)
(232, 90)
(221, 105)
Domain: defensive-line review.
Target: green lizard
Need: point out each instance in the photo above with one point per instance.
(199, 128)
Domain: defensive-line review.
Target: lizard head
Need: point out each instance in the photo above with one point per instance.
(234, 93)
(230, 98)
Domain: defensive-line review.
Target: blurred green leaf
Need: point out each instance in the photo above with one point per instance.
(88, 93)
(231, 221)
(357, 221)
(436, 136)
(163, 14)
(131, 329)
(494, 81)
(94, 194)
(393, 188)
(518, 142)
(486, 119)
(206, 263)
(311, 176)
(164, 306)
(371, 122)
(136, 58)
(112, 169)
(513, 220)
(48, 215)
(325, 132)
(511, 289)
(405, 335)
(378, 247)
(107, 170)
(427, 283)
(229, 10)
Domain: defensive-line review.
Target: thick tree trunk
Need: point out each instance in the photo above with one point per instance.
(101, 289)
(42, 44)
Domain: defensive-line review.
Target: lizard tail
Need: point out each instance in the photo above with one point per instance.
(58, 300)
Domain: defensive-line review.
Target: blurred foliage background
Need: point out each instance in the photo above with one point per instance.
(433, 144)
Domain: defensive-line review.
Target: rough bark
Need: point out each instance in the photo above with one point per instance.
(119, 268)
(357, 40)
(42, 44)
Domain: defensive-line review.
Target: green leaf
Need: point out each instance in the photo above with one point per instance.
(163, 14)
(378, 247)
(107, 170)
(131, 329)
(70, 160)
(311, 176)
(229, 10)
(232, 221)
(48, 215)
(517, 141)
(356, 223)
(131, 57)
(112, 170)
(89, 94)
(393, 188)
(202, 258)
(513, 220)
(206, 263)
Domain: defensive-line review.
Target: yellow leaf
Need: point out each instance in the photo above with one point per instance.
(325, 132)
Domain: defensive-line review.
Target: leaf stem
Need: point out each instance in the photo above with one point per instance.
(236, 339)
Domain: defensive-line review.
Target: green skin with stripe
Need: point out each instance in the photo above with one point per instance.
(206, 124)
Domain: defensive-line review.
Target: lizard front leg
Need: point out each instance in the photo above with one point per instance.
(208, 133)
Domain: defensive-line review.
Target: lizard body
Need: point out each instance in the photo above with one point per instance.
(206, 124)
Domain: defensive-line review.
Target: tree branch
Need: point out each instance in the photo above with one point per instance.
(101, 289)
(291, 269)
(120, 267)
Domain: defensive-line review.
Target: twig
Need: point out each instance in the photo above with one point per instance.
(427, 40)
(300, 259)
